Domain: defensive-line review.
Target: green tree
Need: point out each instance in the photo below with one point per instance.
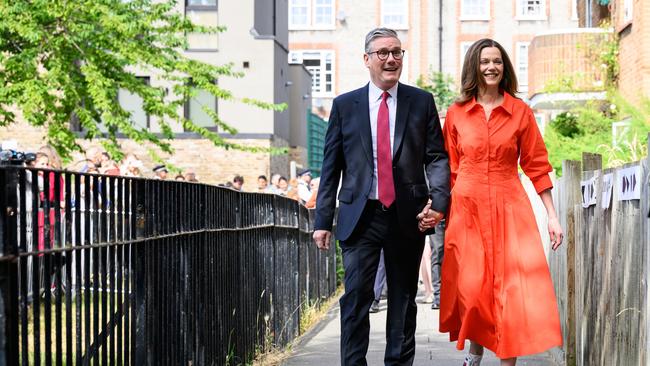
(441, 86)
(61, 59)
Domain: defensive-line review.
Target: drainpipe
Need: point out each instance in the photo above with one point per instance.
(440, 36)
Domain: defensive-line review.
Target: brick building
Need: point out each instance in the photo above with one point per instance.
(631, 22)
(328, 35)
(256, 42)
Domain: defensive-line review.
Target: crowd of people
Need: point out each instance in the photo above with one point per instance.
(100, 162)
(303, 188)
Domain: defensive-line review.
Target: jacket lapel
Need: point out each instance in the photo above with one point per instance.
(364, 123)
(401, 118)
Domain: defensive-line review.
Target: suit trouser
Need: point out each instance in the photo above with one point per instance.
(379, 229)
(437, 242)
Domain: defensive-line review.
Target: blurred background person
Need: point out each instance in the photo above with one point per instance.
(262, 184)
(160, 172)
(238, 182)
(313, 185)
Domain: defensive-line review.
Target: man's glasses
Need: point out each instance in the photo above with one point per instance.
(382, 54)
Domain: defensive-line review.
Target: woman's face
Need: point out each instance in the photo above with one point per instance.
(283, 185)
(42, 162)
(491, 66)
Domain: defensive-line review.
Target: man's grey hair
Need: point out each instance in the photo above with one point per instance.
(379, 33)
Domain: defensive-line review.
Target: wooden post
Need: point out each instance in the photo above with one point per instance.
(570, 197)
(645, 233)
(591, 162)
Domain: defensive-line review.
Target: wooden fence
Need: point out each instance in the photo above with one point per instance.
(601, 272)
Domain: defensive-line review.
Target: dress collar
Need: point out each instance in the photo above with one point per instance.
(507, 104)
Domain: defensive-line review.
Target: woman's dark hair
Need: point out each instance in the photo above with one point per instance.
(471, 79)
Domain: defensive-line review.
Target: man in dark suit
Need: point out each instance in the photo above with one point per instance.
(386, 142)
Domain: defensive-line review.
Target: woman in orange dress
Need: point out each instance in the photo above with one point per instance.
(496, 286)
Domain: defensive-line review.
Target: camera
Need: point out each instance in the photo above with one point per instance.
(12, 157)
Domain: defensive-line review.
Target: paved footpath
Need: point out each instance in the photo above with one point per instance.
(320, 346)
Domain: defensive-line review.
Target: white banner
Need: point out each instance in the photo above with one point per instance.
(628, 183)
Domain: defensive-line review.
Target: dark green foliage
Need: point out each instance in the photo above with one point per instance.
(441, 86)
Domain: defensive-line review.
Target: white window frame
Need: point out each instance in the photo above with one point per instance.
(386, 11)
(620, 129)
(574, 10)
(318, 78)
(312, 7)
(307, 24)
(523, 83)
(464, 47)
(521, 7)
(465, 7)
(628, 10)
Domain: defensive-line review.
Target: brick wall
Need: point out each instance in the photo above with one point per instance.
(634, 76)
(555, 56)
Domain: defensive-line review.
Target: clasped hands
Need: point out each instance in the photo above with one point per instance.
(428, 218)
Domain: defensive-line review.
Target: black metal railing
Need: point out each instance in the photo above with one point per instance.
(117, 271)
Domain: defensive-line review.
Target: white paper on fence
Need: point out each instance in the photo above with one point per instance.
(628, 183)
(608, 182)
(588, 188)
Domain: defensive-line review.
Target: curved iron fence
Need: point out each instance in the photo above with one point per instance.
(114, 270)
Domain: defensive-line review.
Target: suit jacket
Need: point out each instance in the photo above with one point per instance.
(419, 157)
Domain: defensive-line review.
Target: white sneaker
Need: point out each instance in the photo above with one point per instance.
(472, 360)
(428, 299)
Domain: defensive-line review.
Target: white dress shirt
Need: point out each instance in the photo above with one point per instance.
(374, 100)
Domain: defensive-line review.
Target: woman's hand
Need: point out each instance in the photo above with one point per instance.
(555, 232)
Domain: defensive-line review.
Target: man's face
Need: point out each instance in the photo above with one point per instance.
(237, 185)
(261, 183)
(384, 73)
(162, 174)
(306, 178)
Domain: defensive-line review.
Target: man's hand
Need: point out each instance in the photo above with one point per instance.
(322, 239)
(428, 218)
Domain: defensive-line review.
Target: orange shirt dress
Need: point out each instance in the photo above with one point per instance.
(496, 287)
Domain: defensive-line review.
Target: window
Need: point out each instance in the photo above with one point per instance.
(531, 9)
(194, 109)
(394, 14)
(627, 10)
(522, 66)
(202, 12)
(475, 10)
(133, 103)
(323, 13)
(620, 130)
(311, 14)
(321, 66)
(464, 47)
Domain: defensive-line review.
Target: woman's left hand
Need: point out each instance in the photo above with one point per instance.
(555, 232)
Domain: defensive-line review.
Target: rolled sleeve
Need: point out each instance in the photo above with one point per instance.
(542, 183)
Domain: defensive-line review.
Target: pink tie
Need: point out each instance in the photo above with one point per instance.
(385, 185)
